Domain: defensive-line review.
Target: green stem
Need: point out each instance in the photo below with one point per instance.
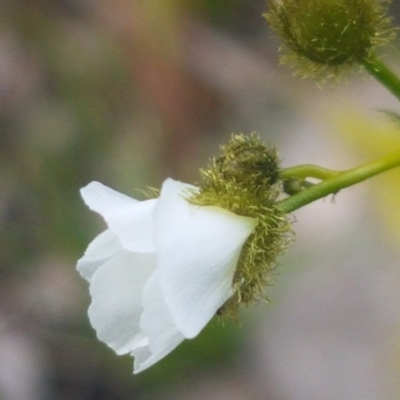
(307, 171)
(340, 181)
(383, 74)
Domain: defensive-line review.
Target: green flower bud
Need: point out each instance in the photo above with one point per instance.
(244, 180)
(245, 158)
(323, 37)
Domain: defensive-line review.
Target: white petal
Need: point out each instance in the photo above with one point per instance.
(116, 289)
(197, 248)
(101, 249)
(157, 325)
(131, 220)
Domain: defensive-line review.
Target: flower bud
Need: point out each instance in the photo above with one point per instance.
(323, 37)
(245, 157)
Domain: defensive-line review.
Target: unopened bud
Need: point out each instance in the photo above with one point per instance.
(323, 37)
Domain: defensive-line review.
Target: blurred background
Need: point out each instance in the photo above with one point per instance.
(129, 92)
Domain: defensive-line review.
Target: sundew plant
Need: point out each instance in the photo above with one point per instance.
(166, 266)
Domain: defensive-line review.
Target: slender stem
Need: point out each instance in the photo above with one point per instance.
(339, 181)
(307, 171)
(383, 74)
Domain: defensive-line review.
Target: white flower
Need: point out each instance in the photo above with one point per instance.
(160, 271)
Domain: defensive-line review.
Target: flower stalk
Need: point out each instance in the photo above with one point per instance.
(374, 66)
(307, 171)
(336, 182)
